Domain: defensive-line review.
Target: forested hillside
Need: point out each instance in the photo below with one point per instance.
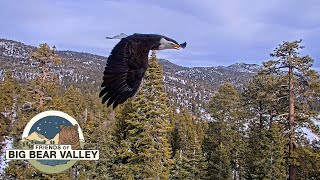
(258, 116)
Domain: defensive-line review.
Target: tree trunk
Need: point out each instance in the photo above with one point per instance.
(292, 166)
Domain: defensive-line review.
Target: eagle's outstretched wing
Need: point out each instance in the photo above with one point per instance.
(125, 69)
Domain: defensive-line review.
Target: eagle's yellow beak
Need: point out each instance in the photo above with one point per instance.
(175, 46)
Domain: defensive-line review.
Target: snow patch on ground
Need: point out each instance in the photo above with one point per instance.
(7, 144)
(311, 136)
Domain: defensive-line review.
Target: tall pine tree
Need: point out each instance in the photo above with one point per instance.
(46, 82)
(186, 141)
(140, 140)
(223, 145)
(265, 145)
(301, 80)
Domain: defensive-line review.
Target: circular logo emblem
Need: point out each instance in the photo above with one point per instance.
(52, 129)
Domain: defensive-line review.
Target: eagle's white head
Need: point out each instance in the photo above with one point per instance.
(166, 43)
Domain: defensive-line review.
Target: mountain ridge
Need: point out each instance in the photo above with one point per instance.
(2, 45)
(187, 87)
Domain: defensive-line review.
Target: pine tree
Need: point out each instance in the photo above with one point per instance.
(141, 148)
(265, 103)
(217, 152)
(74, 102)
(300, 80)
(44, 86)
(186, 141)
(264, 158)
(9, 90)
(223, 144)
(308, 160)
(4, 128)
(95, 126)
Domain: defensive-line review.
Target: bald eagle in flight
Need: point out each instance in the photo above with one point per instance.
(128, 63)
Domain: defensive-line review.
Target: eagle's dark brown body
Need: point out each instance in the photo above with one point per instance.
(126, 67)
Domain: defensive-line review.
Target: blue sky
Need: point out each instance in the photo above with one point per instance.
(217, 32)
